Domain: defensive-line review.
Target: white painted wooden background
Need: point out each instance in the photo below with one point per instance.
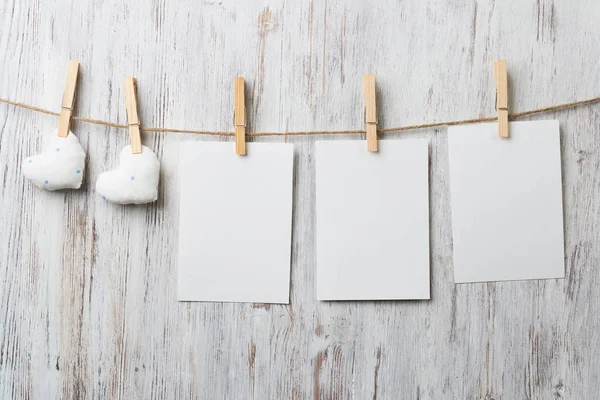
(88, 304)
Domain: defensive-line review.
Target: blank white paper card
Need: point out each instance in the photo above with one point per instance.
(372, 220)
(235, 221)
(506, 196)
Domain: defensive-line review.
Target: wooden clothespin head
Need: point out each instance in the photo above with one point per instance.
(502, 97)
(239, 117)
(66, 110)
(133, 120)
(368, 82)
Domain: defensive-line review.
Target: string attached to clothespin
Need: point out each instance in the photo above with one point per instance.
(502, 97)
(66, 111)
(368, 82)
(239, 118)
(133, 120)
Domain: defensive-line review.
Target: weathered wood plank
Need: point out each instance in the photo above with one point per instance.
(87, 289)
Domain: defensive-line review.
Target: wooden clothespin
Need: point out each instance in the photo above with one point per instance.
(66, 111)
(368, 82)
(133, 120)
(501, 97)
(239, 107)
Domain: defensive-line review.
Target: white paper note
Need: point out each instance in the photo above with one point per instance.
(235, 222)
(506, 196)
(372, 220)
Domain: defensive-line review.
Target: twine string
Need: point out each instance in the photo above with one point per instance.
(298, 133)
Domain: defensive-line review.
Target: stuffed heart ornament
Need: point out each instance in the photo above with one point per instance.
(59, 166)
(135, 181)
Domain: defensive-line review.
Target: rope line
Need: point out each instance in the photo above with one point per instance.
(298, 133)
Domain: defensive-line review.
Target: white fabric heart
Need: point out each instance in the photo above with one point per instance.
(59, 166)
(135, 181)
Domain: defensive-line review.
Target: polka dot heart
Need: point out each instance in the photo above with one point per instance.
(59, 166)
(134, 181)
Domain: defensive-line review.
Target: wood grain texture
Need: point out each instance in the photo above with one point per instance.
(88, 304)
(64, 123)
(133, 120)
(239, 107)
(368, 81)
(501, 76)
